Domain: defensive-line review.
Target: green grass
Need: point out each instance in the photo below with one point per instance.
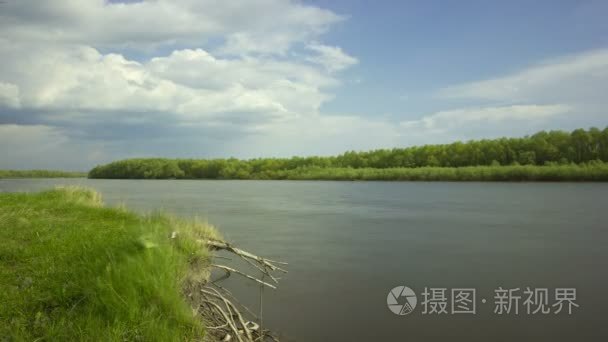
(594, 172)
(72, 269)
(40, 174)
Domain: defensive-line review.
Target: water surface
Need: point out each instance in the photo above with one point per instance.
(349, 243)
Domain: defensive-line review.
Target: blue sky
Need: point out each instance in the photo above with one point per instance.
(409, 48)
(84, 82)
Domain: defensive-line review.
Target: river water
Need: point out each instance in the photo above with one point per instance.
(349, 243)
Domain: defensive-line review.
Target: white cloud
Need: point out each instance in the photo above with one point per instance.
(565, 92)
(207, 72)
(52, 61)
(444, 120)
(269, 26)
(187, 75)
(289, 87)
(578, 78)
(189, 85)
(463, 124)
(330, 57)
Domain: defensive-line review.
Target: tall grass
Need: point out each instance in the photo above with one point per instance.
(71, 269)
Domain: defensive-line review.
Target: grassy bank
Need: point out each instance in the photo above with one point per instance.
(40, 174)
(72, 269)
(597, 172)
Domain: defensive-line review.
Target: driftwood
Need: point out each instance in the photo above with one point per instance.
(223, 314)
(230, 270)
(267, 263)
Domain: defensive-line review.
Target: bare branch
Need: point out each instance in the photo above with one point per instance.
(230, 270)
(270, 264)
(227, 318)
(235, 310)
(230, 324)
(228, 293)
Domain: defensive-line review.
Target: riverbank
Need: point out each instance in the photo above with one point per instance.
(145, 169)
(597, 172)
(41, 174)
(72, 269)
(580, 155)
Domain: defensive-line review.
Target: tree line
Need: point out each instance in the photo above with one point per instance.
(546, 149)
(40, 174)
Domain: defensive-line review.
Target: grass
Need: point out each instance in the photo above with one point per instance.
(72, 269)
(594, 172)
(40, 174)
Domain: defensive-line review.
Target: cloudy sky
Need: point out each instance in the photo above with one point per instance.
(83, 82)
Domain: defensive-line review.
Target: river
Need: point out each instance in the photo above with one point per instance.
(349, 243)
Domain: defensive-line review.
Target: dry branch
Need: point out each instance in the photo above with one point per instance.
(234, 309)
(228, 319)
(231, 270)
(220, 245)
(225, 320)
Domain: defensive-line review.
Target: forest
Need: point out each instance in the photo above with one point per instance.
(554, 155)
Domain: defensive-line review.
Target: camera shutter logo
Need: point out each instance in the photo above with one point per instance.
(401, 300)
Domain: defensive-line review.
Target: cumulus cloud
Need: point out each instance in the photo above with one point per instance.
(245, 25)
(266, 84)
(188, 85)
(206, 72)
(53, 60)
(88, 81)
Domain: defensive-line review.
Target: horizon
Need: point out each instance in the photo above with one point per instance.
(305, 156)
(84, 83)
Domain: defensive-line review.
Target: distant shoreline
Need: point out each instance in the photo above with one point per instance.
(18, 174)
(591, 172)
(580, 155)
(555, 156)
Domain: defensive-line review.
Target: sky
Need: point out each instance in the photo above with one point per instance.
(85, 82)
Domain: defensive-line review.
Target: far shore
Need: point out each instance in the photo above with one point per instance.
(41, 174)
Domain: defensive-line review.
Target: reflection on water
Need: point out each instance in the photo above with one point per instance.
(350, 243)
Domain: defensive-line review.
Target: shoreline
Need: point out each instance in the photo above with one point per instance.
(590, 172)
(18, 174)
(75, 269)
